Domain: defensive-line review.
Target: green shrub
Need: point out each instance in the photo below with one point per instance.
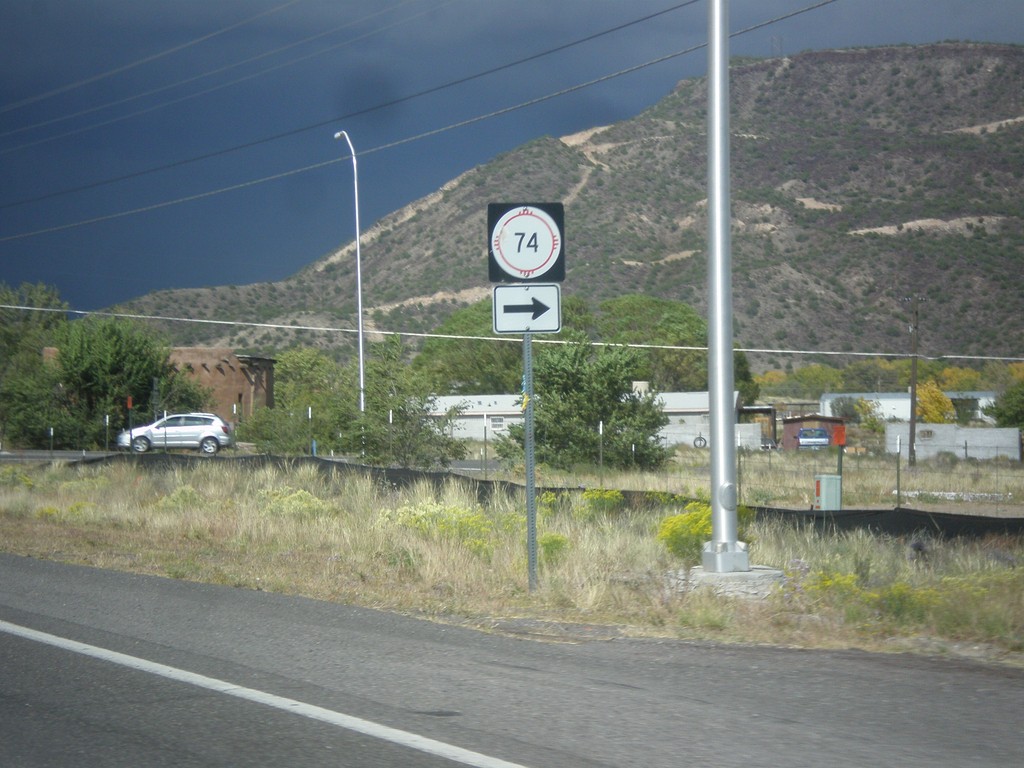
(665, 498)
(902, 603)
(684, 534)
(552, 547)
(293, 502)
(15, 476)
(468, 527)
(181, 498)
(550, 504)
(598, 501)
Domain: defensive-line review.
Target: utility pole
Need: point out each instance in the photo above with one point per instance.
(914, 317)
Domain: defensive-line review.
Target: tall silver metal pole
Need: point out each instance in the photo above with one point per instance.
(723, 553)
(359, 274)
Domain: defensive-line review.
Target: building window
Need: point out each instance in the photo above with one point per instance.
(497, 423)
(926, 434)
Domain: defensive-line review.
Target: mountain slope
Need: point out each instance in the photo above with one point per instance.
(859, 178)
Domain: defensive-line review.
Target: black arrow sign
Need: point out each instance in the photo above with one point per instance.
(536, 308)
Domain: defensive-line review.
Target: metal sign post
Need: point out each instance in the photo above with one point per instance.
(525, 244)
(531, 463)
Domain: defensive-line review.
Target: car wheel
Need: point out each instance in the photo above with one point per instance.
(140, 444)
(209, 446)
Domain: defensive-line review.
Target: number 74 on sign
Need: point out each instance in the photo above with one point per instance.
(526, 242)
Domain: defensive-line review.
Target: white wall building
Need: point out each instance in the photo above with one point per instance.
(483, 416)
(895, 406)
(963, 442)
(688, 417)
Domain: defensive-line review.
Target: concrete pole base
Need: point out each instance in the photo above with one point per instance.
(756, 583)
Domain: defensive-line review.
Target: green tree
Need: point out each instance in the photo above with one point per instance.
(32, 326)
(101, 362)
(487, 363)
(585, 405)
(398, 425)
(638, 319)
(872, 375)
(461, 366)
(812, 381)
(869, 415)
(846, 409)
(315, 399)
(26, 385)
(1008, 409)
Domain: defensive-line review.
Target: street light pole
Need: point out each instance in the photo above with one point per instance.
(359, 273)
(724, 553)
(914, 318)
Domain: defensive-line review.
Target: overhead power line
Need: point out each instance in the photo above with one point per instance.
(210, 73)
(331, 121)
(407, 140)
(499, 339)
(146, 60)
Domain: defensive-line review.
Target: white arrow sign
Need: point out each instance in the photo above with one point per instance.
(528, 308)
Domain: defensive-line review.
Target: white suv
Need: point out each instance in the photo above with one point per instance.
(205, 431)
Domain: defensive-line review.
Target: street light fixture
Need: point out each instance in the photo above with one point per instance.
(359, 273)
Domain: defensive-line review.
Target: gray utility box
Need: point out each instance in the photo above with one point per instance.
(828, 492)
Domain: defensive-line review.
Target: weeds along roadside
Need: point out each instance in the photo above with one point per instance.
(786, 479)
(438, 552)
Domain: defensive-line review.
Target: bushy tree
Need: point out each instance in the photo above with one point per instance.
(872, 375)
(585, 405)
(933, 407)
(25, 385)
(636, 319)
(846, 409)
(318, 399)
(98, 364)
(398, 426)
(869, 415)
(307, 383)
(101, 363)
(639, 319)
(958, 379)
(468, 366)
(1008, 409)
(474, 366)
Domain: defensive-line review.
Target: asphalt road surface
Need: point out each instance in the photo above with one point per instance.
(107, 669)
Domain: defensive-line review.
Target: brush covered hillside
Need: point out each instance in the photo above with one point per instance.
(859, 177)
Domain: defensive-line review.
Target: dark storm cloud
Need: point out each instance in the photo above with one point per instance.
(317, 63)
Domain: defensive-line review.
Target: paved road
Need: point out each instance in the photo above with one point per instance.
(275, 662)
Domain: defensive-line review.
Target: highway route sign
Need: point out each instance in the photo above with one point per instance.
(526, 242)
(528, 308)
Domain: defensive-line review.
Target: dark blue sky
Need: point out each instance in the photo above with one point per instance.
(97, 90)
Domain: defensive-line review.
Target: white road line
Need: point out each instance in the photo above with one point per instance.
(366, 727)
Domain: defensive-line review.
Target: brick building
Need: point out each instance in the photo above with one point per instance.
(239, 383)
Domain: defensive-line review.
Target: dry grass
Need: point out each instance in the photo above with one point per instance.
(786, 479)
(441, 554)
